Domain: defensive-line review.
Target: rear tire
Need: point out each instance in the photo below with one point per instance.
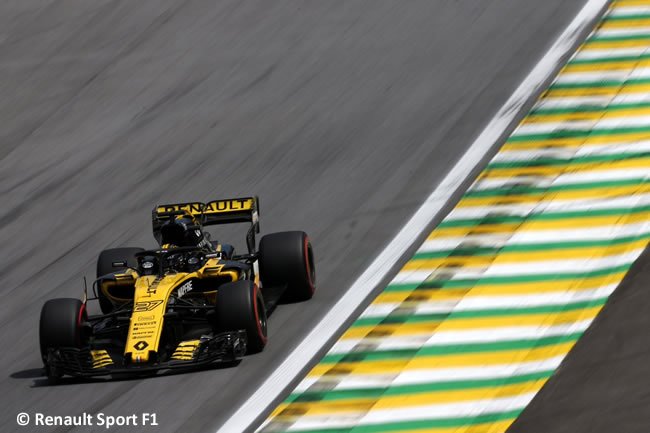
(105, 266)
(287, 259)
(60, 324)
(240, 305)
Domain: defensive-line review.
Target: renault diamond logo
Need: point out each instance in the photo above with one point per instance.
(140, 345)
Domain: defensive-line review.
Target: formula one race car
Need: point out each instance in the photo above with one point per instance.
(192, 302)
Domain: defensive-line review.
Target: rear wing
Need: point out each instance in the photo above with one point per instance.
(226, 211)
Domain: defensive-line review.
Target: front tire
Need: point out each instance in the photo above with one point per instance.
(105, 266)
(287, 259)
(240, 305)
(60, 324)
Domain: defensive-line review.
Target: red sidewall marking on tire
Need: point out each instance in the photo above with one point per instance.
(257, 316)
(82, 312)
(311, 284)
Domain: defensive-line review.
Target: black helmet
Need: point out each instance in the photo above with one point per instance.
(181, 232)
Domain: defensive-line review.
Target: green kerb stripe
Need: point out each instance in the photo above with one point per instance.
(581, 133)
(376, 393)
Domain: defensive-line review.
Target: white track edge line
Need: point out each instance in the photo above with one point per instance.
(304, 352)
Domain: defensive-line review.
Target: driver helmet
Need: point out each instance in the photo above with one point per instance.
(182, 232)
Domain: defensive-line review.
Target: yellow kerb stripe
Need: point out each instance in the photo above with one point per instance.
(620, 4)
(438, 361)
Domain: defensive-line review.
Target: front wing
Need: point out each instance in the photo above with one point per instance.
(84, 362)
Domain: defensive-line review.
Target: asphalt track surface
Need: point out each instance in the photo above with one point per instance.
(342, 116)
(602, 386)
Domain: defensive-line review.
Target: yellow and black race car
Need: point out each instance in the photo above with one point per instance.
(192, 302)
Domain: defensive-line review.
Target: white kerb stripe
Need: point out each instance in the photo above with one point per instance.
(624, 31)
(613, 99)
(595, 77)
(607, 53)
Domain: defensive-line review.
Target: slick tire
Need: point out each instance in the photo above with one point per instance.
(240, 305)
(287, 259)
(60, 324)
(105, 266)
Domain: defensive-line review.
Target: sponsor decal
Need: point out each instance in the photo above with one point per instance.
(141, 345)
(151, 290)
(182, 290)
(190, 207)
(143, 306)
(146, 323)
(142, 334)
(229, 205)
